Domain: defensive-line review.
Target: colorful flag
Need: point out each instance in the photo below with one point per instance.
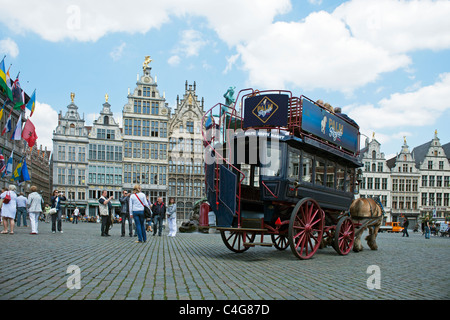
(24, 175)
(2, 164)
(4, 79)
(29, 133)
(9, 166)
(18, 95)
(17, 134)
(7, 127)
(31, 103)
(3, 108)
(17, 172)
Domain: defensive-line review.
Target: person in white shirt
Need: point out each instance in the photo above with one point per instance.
(136, 208)
(76, 213)
(34, 204)
(21, 210)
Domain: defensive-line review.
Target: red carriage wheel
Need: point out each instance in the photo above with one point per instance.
(344, 236)
(306, 228)
(234, 240)
(280, 241)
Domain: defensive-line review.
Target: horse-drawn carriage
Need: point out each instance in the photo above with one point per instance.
(284, 168)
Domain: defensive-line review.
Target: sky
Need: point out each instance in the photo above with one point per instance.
(386, 63)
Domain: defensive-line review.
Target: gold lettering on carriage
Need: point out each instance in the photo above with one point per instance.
(336, 129)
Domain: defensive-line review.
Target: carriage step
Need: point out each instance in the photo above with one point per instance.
(263, 244)
(249, 230)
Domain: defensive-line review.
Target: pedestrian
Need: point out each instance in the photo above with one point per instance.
(47, 215)
(427, 227)
(125, 213)
(405, 227)
(21, 210)
(105, 213)
(159, 212)
(34, 204)
(136, 210)
(172, 217)
(76, 213)
(56, 217)
(9, 209)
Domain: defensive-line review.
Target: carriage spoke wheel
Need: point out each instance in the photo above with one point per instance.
(306, 228)
(280, 241)
(344, 236)
(235, 240)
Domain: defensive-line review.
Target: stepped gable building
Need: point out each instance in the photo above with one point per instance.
(376, 179)
(186, 165)
(70, 162)
(405, 178)
(105, 159)
(145, 137)
(432, 159)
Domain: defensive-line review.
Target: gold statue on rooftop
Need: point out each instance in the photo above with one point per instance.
(146, 62)
(72, 96)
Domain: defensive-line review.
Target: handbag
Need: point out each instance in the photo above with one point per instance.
(147, 211)
(52, 211)
(7, 198)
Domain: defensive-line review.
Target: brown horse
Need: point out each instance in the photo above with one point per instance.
(370, 214)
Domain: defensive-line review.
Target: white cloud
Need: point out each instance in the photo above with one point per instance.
(117, 52)
(410, 109)
(45, 120)
(318, 52)
(174, 60)
(230, 62)
(9, 47)
(398, 26)
(191, 43)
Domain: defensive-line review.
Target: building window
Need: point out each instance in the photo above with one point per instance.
(155, 108)
(430, 165)
(438, 181)
(61, 176)
(380, 166)
(441, 165)
(163, 129)
(127, 126)
(81, 177)
(101, 134)
(431, 181)
(61, 153)
(424, 181)
(137, 127)
(154, 129)
(384, 183)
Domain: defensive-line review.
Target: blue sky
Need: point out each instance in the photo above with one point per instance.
(386, 63)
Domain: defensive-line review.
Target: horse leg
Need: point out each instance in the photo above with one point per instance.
(371, 238)
(357, 245)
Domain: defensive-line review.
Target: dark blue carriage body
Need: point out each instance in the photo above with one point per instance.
(283, 149)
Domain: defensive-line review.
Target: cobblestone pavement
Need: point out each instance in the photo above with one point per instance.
(200, 267)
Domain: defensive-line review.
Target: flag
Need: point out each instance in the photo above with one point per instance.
(31, 103)
(24, 175)
(7, 127)
(3, 108)
(29, 133)
(17, 134)
(2, 164)
(9, 166)
(16, 174)
(4, 78)
(18, 95)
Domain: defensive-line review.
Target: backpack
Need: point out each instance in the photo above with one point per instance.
(7, 198)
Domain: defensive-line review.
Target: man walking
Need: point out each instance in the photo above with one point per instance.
(104, 213)
(21, 210)
(124, 212)
(159, 212)
(405, 227)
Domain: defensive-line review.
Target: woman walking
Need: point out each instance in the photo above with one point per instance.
(9, 209)
(172, 217)
(34, 204)
(136, 209)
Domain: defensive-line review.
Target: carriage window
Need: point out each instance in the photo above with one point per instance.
(307, 171)
(340, 173)
(271, 164)
(320, 171)
(330, 175)
(293, 165)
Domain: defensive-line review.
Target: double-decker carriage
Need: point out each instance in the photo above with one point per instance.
(281, 171)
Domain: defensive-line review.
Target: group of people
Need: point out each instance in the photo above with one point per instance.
(133, 209)
(16, 207)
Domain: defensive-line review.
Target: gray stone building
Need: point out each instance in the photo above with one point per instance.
(105, 159)
(145, 137)
(70, 162)
(186, 165)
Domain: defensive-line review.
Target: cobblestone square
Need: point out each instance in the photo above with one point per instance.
(199, 267)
